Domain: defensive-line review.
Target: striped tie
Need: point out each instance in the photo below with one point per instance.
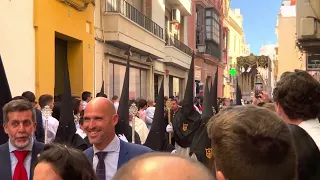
(101, 168)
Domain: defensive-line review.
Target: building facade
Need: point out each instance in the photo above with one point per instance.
(53, 33)
(288, 54)
(270, 51)
(154, 31)
(236, 47)
(207, 37)
(14, 16)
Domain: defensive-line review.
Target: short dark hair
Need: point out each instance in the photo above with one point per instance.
(285, 74)
(20, 97)
(18, 105)
(142, 103)
(85, 95)
(249, 142)
(69, 163)
(103, 95)
(115, 97)
(45, 100)
(30, 96)
(299, 96)
(76, 104)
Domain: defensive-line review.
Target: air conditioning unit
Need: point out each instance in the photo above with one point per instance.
(308, 15)
(176, 16)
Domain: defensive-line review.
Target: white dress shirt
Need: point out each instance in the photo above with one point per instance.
(53, 125)
(111, 159)
(27, 160)
(81, 133)
(84, 104)
(312, 127)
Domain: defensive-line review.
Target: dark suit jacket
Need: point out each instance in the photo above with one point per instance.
(127, 152)
(5, 165)
(39, 129)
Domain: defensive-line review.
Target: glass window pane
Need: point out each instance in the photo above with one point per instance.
(144, 84)
(209, 35)
(208, 13)
(208, 22)
(110, 86)
(134, 89)
(208, 29)
(119, 71)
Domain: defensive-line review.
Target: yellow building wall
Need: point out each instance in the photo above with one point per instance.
(235, 48)
(51, 16)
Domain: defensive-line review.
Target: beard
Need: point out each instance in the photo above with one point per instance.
(20, 141)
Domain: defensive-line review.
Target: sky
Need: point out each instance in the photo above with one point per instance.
(259, 21)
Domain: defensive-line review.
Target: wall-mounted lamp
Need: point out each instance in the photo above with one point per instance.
(167, 73)
(149, 59)
(128, 52)
(201, 48)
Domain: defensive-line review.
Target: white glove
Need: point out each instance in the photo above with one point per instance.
(169, 128)
(123, 137)
(174, 152)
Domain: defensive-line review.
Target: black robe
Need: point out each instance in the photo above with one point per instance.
(185, 126)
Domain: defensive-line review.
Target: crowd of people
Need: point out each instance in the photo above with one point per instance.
(101, 138)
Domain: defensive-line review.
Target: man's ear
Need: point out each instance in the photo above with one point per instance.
(220, 176)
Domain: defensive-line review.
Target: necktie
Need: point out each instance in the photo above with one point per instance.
(101, 168)
(20, 172)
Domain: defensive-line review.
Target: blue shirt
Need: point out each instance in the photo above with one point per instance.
(14, 160)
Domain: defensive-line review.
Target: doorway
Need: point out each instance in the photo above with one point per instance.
(61, 57)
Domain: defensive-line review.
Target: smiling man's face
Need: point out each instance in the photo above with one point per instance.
(99, 122)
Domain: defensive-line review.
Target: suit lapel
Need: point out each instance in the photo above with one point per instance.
(90, 155)
(5, 167)
(36, 149)
(123, 155)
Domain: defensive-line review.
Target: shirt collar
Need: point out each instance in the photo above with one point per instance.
(28, 148)
(114, 146)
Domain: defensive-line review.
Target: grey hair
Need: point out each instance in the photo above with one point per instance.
(17, 106)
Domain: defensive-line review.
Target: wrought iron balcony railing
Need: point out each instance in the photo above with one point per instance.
(132, 13)
(172, 41)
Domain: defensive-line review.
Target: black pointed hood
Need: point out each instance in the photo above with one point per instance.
(123, 110)
(5, 97)
(156, 137)
(238, 94)
(187, 120)
(67, 128)
(207, 102)
(214, 92)
(189, 93)
(101, 93)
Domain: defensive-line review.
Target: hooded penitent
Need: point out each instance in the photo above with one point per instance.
(201, 144)
(238, 94)
(5, 97)
(156, 139)
(123, 126)
(66, 133)
(187, 120)
(214, 93)
(101, 93)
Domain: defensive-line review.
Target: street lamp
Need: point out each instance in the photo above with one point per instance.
(201, 48)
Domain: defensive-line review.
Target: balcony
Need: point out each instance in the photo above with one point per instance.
(183, 5)
(125, 25)
(177, 53)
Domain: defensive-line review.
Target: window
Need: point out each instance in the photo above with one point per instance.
(212, 25)
(200, 25)
(137, 80)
